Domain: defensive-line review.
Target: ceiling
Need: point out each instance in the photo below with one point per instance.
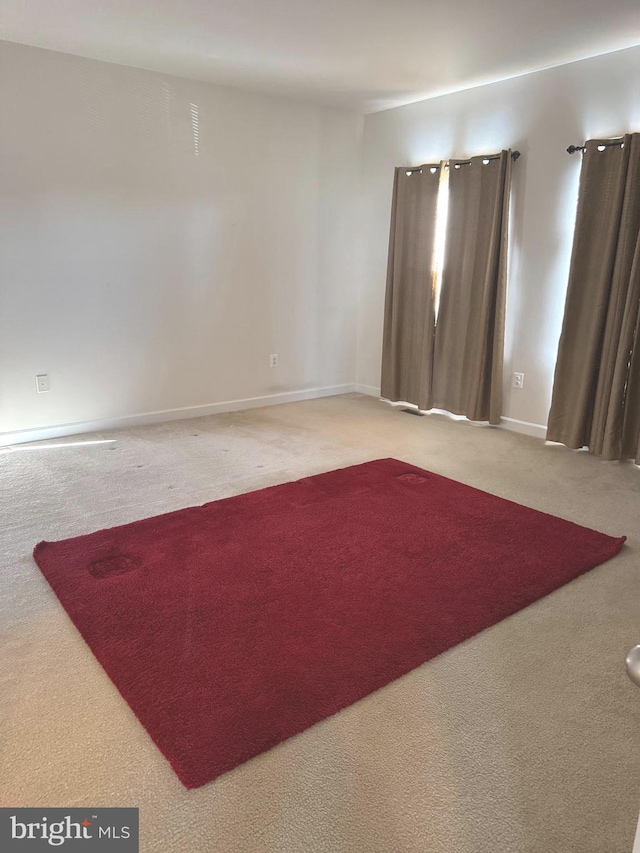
(358, 54)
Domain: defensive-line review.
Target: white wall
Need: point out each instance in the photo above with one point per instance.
(143, 276)
(539, 114)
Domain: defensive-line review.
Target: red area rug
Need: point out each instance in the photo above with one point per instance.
(232, 626)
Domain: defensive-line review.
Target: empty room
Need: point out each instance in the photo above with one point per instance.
(320, 426)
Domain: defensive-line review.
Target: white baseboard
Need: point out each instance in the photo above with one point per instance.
(513, 424)
(524, 427)
(369, 390)
(62, 430)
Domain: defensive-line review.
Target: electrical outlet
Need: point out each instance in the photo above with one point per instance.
(42, 383)
(518, 380)
(273, 359)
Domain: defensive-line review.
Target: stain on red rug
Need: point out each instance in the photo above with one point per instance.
(232, 626)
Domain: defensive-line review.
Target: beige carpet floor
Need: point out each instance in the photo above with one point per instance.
(525, 738)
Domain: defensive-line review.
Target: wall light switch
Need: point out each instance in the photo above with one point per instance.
(42, 383)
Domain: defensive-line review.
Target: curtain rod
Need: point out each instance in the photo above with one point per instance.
(606, 144)
(436, 166)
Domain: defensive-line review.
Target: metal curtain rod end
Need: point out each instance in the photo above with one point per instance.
(515, 155)
(573, 148)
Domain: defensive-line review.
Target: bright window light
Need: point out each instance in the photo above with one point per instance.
(16, 448)
(442, 209)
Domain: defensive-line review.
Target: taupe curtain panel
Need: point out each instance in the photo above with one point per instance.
(469, 338)
(409, 314)
(596, 390)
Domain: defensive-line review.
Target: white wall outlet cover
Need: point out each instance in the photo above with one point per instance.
(273, 359)
(518, 380)
(42, 383)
